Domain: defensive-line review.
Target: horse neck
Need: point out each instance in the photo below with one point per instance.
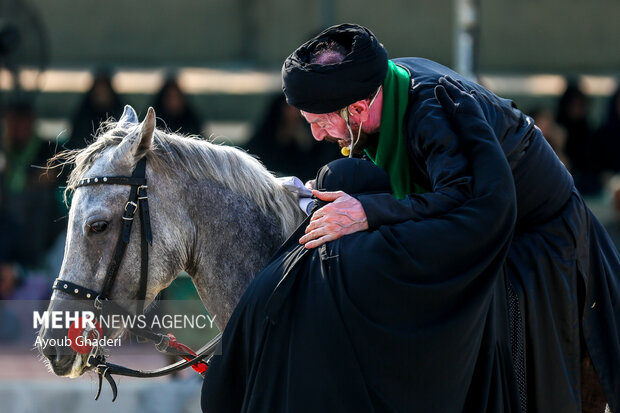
(227, 241)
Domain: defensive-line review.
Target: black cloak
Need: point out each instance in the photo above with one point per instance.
(562, 267)
(381, 320)
(563, 270)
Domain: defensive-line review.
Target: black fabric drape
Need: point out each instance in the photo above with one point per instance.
(381, 321)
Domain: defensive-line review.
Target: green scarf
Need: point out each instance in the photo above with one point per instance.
(391, 152)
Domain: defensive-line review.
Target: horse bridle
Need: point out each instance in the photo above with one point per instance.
(138, 201)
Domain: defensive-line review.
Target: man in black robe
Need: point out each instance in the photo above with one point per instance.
(563, 271)
(381, 320)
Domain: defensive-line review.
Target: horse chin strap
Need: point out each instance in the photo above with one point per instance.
(105, 369)
(138, 200)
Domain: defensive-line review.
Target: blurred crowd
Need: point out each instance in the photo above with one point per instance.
(33, 216)
(590, 153)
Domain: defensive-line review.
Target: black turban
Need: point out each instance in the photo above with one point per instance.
(317, 88)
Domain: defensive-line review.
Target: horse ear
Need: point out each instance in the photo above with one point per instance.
(129, 116)
(135, 145)
(146, 133)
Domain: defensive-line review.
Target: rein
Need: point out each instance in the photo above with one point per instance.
(138, 201)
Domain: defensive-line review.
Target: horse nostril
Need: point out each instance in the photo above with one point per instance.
(48, 351)
(60, 363)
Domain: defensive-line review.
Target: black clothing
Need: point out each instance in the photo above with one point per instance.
(581, 145)
(438, 164)
(409, 289)
(318, 88)
(287, 150)
(381, 321)
(186, 123)
(31, 211)
(558, 243)
(182, 120)
(608, 137)
(92, 111)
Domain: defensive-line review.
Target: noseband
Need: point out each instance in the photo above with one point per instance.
(138, 201)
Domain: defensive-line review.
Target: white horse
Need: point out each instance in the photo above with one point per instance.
(216, 213)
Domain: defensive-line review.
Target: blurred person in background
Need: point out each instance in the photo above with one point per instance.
(29, 190)
(553, 133)
(22, 147)
(284, 144)
(172, 105)
(98, 104)
(581, 149)
(608, 136)
(9, 322)
(10, 237)
(16, 284)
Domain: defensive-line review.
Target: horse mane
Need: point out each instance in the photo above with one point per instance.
(172, 153)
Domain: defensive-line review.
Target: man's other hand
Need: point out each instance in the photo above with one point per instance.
(342, 216)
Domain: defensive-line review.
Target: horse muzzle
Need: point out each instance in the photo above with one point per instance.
(57, 351)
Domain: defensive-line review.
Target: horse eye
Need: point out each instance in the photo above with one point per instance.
(98, 227)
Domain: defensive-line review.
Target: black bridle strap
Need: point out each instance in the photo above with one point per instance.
(205, 352)
(131, 206)
(145, 240)
(145, 215)
(80, 292)
(145, 333)
(112, 180)
(75, 290)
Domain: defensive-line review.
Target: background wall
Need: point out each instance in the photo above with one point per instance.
(515, 36)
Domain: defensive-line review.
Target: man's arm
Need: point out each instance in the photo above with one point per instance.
(435, 145)
(452, 260)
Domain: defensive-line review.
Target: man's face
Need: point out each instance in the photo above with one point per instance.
(333, 128)
(328, 126)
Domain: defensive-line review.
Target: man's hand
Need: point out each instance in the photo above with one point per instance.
(457, 102)
(343, 216)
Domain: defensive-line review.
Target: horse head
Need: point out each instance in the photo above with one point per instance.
(215, 212)
(95, 222)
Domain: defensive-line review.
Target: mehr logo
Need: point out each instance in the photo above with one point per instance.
(63, 319)
(84, 332)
